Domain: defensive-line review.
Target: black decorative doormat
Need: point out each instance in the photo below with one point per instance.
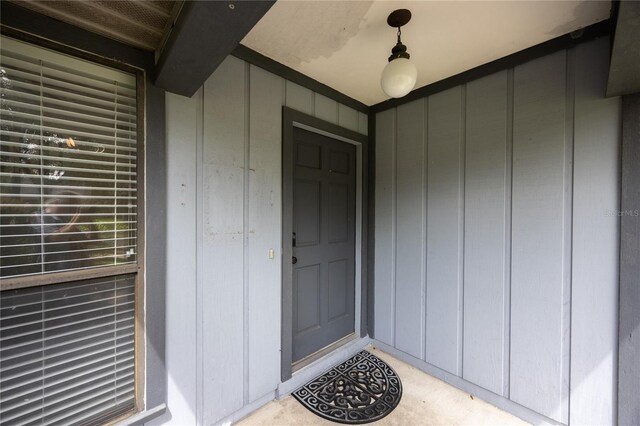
(362, 389)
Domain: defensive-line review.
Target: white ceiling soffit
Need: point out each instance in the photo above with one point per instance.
(345, 44)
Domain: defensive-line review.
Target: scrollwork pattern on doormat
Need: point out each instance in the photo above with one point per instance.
(362, 389)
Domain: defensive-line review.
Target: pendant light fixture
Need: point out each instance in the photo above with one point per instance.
(400, 74)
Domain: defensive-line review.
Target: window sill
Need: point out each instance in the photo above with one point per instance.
(144, 416)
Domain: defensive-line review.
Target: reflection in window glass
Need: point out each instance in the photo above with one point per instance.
(67, 166)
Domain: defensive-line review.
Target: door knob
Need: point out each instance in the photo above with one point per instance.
(294, 260)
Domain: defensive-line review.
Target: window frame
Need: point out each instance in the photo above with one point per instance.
(137, 268)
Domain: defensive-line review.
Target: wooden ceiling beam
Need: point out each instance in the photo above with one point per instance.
(204, 34)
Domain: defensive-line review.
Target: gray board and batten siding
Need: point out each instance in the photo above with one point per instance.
(497, 238)
(224, 214)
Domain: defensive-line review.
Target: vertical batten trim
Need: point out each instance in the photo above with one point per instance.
(245, 230)
(508, 237)
(313, 103)
(425, 158)
(394, 225)
(199, 215)
(568, 234)
(284, 92)
(426, 221)
(461, 225)
(371, 233)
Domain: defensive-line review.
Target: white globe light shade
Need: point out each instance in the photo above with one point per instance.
(398, 77)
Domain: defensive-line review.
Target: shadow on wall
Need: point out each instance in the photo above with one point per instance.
(180, 392)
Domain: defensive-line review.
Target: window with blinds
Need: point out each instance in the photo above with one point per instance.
(67, 352)
(67, 163)
(68, 202)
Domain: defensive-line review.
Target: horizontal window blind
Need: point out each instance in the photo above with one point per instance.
(67, 352)
(68, 163)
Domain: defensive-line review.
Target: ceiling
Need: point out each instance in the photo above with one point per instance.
(345, 44)
(139, 23)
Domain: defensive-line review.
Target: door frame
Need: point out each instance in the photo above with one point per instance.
(291, 119)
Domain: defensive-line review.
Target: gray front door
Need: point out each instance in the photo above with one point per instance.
(324, 212)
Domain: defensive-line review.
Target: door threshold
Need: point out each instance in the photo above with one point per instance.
(296, 366)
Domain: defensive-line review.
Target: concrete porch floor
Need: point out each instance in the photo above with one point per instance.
(425, 401)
